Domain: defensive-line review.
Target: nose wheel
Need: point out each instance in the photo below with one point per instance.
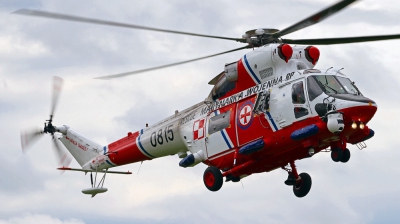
(336, 154)
(339, 155)
(346, 156)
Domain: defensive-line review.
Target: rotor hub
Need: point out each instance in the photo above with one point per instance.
(267, 31)
(260, 37)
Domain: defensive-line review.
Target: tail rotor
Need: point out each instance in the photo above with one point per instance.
(30, 136)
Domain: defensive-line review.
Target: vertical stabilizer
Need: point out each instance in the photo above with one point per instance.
(81, 148)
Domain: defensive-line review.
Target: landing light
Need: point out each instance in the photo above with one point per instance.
(354, 125)
(362, 125)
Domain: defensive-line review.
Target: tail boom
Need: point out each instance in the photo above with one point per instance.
(126, 150)
(157, 141)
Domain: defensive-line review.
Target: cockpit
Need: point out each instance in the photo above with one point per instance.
(333, 85)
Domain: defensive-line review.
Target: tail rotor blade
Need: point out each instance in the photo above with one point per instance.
(63, 157)
(29, 137)
(57, 87)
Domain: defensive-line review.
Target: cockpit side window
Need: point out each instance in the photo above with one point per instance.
(314, 90)
(298, 96)
(300, 112)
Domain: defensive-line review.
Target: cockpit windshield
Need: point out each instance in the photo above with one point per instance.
(348, 85)
(331, 84)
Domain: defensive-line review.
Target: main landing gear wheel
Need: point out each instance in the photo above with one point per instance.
(346, 156)
(302, 186)
(213, 178)
(337, 154)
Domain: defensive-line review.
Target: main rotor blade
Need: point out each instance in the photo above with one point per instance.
(341, 40)
(57, 87)
(316, 18)
(165, 66)
(53, 15)
(63, 157)
(28, 138)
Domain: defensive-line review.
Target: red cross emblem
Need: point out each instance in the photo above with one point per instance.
(198, 129)
(245, 115)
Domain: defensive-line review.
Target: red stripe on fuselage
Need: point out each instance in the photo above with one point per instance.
(125, 151)
(245, 79)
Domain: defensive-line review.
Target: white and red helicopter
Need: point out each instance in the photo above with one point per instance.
(265, 111)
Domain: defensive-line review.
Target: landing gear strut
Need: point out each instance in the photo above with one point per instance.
(301, 183)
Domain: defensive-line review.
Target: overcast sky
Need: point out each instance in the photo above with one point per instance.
(32, 50)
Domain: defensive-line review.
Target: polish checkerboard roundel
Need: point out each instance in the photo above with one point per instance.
(198, 129)
(245, 115)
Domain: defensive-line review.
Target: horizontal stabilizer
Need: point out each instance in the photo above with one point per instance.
(92, 171)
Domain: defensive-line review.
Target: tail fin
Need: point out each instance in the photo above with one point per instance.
(81, 148)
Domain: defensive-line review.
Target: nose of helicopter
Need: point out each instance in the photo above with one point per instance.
(360, 112)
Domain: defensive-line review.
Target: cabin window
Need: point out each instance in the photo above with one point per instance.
(222, 87)
(300, 112)
(314, 90)
(298, 93)
(219, 122)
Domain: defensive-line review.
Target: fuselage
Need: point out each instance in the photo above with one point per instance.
(265, 110)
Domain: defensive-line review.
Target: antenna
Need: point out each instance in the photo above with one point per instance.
(328, 69)
(139, 167)
(339, 71)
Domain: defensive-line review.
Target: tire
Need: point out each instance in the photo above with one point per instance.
(346, 156)
(212, 178)
(301, 188)
(337, 154)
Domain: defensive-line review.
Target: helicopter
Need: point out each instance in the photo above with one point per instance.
(264, 112)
